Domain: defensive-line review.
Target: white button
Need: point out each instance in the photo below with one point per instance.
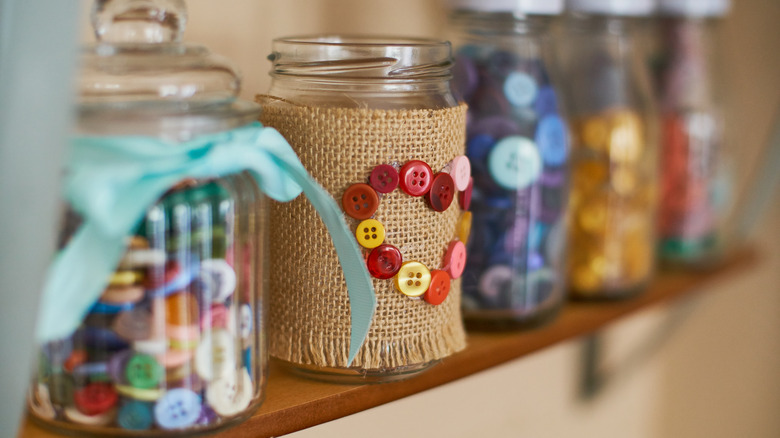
(219, 279)
(246, 320)
(104, 419)
(39, 402)
(215, 356)
(230, 394)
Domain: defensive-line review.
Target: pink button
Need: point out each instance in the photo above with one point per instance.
(455, 259)
(460, 171)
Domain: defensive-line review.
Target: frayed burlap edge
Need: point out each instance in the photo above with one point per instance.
(309, 316)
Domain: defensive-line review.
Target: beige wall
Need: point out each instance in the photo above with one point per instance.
(719, 376)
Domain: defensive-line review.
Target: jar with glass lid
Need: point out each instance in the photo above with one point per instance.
(375, 122)
(168, 237)
(614, 181)
(519, 149)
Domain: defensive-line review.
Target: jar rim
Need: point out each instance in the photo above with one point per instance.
(339, 40)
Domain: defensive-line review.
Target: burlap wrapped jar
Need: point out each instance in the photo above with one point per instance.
(340, 138)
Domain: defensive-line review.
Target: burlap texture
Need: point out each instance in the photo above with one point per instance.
(309, 305)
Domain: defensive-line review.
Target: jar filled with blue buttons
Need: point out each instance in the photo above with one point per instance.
(175, 341)
(614, 154)
(518, 144)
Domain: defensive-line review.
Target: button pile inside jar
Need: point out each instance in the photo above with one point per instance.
(612, 203)
(170, 344)
(518, 147)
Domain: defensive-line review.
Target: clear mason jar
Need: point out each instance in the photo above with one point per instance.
(518, 144)
(326, 89)
(614, 157)
(695, 182)
(176, 341)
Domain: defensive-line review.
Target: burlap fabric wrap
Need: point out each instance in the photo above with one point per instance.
(309, 304)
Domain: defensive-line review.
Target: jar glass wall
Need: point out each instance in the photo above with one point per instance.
(176, 340)
(614, 158)
(505, 71)
(360, 111)
(695, 175)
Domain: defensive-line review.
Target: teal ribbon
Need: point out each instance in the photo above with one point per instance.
(112, 181)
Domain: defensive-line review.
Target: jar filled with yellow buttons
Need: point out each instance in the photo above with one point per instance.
(614, 160)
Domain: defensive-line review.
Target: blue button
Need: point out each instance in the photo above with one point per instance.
(110, 309)
(478, 146)
(135, 415)
(537, 234)
(102, 339)
(177, 409)
(520, 89)
(514, 163)
(552, 139)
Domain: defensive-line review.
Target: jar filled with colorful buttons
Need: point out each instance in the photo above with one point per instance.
(695, 179)
(154, 325)
(614, 155)
(375, 123)
(518, 144)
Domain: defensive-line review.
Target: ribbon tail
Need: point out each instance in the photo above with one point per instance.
(75, 281)
(362, 298)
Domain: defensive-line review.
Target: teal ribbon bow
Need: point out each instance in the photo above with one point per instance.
(112, 181)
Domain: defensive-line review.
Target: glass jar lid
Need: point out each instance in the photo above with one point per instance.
(139, 60)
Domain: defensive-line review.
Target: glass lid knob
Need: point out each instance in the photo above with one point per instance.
(139, 21)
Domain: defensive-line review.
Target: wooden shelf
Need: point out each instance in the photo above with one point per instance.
(293, 403)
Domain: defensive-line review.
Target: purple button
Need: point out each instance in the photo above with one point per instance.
(465, 77)
(496, 281)
(546, 101)
(117, 364)
(535, 261)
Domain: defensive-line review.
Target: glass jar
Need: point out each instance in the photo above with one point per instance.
(614, 156)
(519, 150)
(176, 341)
(363, 114)
(695, 180)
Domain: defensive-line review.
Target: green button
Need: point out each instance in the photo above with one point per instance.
(143, 371)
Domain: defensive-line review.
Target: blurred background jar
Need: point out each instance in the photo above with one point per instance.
(614, 157)
(368, 116)
(176, 341)
(695, 173)
(518, 144)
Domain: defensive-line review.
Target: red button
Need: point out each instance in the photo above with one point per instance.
(384, 261)
(464, 197)
(360, 201)
(95, 398)
(439, 289)
(416, 177)
(442, 192)
(455, 259)
(156, 277)
(384, 178)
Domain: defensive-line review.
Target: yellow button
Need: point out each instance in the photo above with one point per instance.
(413, 279)
(370, 233)
(594, 133)
(464, 227)
(624, 180)
(625, 139)
(125, 278)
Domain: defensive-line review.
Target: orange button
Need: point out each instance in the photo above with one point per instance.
(360, 201)
(439, 289)
(181, 309)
